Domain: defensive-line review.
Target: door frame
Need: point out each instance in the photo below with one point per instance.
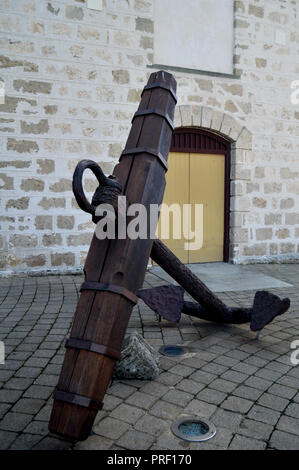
(196, 140)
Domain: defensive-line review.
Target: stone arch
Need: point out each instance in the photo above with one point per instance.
(241, 148)
(215, 121)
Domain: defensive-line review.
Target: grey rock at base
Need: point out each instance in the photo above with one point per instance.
(138, 360)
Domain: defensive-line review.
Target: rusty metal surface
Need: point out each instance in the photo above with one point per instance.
(266, 307)
(166, 301)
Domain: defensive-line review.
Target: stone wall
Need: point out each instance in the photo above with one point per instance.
(73, 78)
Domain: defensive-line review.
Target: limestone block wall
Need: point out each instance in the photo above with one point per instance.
(73, 78)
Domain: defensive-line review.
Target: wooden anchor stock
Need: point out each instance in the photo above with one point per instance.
(114, 269)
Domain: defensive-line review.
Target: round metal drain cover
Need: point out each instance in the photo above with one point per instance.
(172, 350)
(193, 429)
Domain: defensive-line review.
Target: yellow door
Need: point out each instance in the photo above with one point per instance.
(176, 192)
(207, 188)
(195, 178)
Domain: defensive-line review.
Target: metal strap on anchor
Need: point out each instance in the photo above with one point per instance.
(110, 288)
(92, 347)
(155, 153)
(163, 86)
(147, 112)
(80, 400)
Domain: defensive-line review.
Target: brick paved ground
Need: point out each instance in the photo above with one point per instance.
(247, 388)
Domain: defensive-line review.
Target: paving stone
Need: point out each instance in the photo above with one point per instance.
(273, 401)
(121, 390)
(37, 427)
(142, 400)
(211, 396)
(294, 372)
(151, 425)
(44, 414)
(4, 407)
(155, 388)
(265, 415)
(52, 369)
(293, 410)
(189, 386)
(268, 374)
(223, 385)
(288, 424)
(136, 440)
(284, 441)
(200, 408)
(111, 402)
(45, 379)
(282, 391)
(237, 354)
(216, 369)
(25, 442)
(237, 404)
(111, 428)
(22, 356)
(257, 382)
(94, 443)
(15, 422)
(28, 405)
(44, 353)
(289, 382)
(12, 364)
(203, 377)
(245, 368)
(221, 439)
(51, 443)
(37, 362)
(226, 361)
(246, 443)
(177, 396)
(197, 361)
(6, 374)
(100, 417)
(38, 391)
(27, 347)
(167, 440)
(9, 396)
(16, 383)
(167, 378)
(255, 429)
(226, 419)
(30, 372)
(182, 370)
(165, 410)
(247, 392)
(234, 376)
(127, 413)
(6, 439)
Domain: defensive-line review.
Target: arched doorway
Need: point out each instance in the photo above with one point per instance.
(199, 173)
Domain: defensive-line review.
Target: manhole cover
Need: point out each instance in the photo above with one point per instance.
(191, 428)
(172, 350)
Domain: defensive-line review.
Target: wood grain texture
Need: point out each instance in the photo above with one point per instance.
(102, 317)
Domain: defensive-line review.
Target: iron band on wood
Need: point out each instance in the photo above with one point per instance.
(104, 316)
(79, 400)
(163, 86)
(136, 150)
(93, 347)
(110, 288)
(148, 112)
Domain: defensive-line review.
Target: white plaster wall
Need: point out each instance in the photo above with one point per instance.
(196, 34)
